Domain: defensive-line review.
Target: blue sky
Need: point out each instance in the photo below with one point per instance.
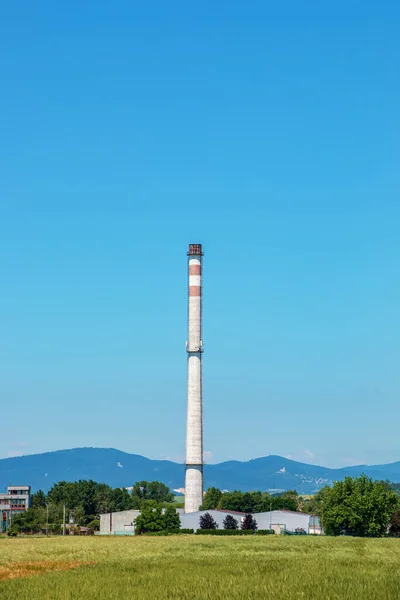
(268, 131)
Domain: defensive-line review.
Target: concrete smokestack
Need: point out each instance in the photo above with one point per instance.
(194, 423)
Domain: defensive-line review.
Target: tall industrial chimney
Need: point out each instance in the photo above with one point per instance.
(194, 423)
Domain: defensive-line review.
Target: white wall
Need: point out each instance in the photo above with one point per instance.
(122, 522)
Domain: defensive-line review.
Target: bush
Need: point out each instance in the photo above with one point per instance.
(249, 523)
(224, 532)
(207, 522)
(172, 532)
(394, 528)
(230, 523)
(94, 525)
(155, 518)
(171, 519)
(183, 530)
(13, 531)
(265, 532)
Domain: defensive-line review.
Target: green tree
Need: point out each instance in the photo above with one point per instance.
(94, 525)
(314, 504)
(160, 492)
(171, 519)
(230, 522)
(358, 506)
(211, 499)
(79, 515)
(32, 520)
(231, 501)
(103, 498)
(207, 522)
(155, 517)
(64, 492)
(394, 527)
(150, 519)
(13, 530)
(94, 498)
(120, 500)
(247, 502)
(86, 491)
(39, 499)
(262, 502)
(288, 500)
(249, 522)
(150, 490)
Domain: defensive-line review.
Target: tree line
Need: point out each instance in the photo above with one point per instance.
(84, 501)
(251, 502)
(355, 506)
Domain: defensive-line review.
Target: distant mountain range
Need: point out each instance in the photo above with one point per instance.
(120, 469)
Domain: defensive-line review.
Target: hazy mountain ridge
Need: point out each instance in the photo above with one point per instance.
(120, 469)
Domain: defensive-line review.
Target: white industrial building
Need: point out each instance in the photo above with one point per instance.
(118, 523)
(122, 523)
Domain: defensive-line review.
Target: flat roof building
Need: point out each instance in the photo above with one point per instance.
(123, 522)
(17, 499)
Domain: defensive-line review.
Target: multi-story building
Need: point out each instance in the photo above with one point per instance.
(17, 499)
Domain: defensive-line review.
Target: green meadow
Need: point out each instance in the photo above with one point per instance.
(197, 567)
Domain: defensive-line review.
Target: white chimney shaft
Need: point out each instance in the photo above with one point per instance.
(194, 423)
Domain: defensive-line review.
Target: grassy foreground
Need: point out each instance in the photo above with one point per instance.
(189, 567)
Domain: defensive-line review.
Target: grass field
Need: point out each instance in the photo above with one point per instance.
(194, 567)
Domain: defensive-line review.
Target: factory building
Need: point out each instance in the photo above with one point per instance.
(17, 499)
(278, 520)
(118, 523)
(123, 523)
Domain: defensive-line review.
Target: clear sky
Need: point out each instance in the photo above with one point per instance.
(269, 132)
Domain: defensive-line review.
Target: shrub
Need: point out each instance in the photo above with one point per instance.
(207, 522)
(94, 525)
(183, 530)
(171, 519)
(172, 532)
(230, 523)
(224, 532)
(156, 518)
(394, 527)
(249, 522)
(13, 531)
(265, 532)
